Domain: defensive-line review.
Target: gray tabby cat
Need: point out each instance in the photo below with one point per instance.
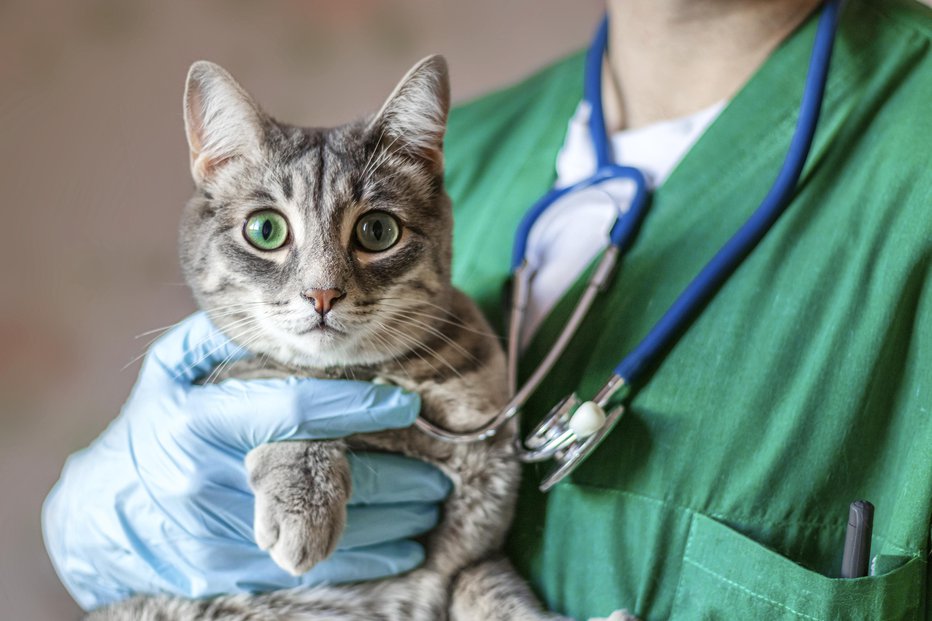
(326, 253)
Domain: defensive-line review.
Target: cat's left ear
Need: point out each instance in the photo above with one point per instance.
(414, 118)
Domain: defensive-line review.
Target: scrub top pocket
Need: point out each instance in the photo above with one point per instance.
(726, 575)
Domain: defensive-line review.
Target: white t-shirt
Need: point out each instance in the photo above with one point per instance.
(571, 232)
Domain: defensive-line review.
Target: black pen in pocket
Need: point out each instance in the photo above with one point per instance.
(856, 560)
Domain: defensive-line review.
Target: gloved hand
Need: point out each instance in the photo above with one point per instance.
(160, 503)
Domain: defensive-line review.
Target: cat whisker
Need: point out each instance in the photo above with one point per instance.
(374, 340)
(413, 349)
(457, 323)
(446, 311)
(135, 360)
(383, 157)
(228, 309)
(157, 330)
(191, 367)
(253, 332)
(411, 321)
(239, 323)
(411, 306)
(149, 344)
(388, 352)
(416, 344)
(229, 327)
(375, 150)
(373, 185)
(257, 335)
(245, 343)
(383, 336)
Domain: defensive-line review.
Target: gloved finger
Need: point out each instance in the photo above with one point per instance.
(389, 478)
(368, 563)
(244, 414)
(366, 526)
(190, 350)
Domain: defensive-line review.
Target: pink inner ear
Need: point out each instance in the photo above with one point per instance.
(203, 163)
(194, 120)
(205, 167)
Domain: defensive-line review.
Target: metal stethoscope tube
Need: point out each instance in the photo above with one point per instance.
(521, 289)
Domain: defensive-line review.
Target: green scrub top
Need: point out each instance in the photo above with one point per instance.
(804, 385)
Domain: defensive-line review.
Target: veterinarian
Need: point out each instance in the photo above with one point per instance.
(723, 492)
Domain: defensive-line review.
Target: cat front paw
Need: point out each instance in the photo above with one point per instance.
(296, 538)
(301, 491)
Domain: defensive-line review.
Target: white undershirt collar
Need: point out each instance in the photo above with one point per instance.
(570, 234)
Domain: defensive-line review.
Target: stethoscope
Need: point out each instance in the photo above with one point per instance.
(574, 428)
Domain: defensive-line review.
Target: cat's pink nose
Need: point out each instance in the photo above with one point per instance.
(322, 299)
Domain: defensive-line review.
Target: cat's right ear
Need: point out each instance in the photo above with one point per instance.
(221, 120)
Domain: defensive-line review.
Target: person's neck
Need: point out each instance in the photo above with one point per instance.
(671, 58)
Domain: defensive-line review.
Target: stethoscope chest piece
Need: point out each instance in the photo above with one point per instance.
(570, 432)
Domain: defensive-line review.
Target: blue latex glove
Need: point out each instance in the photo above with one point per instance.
(160, 503)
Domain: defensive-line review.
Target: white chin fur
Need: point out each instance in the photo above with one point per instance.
(322, 350)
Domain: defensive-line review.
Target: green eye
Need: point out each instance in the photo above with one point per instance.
(266, 230)
(377, 231)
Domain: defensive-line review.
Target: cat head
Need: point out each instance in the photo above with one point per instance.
(315, 246)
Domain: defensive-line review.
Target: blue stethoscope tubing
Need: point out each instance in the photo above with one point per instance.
(625, 226)
(573, 428)
(691, 301)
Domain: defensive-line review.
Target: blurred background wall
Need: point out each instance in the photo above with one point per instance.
(94, 173)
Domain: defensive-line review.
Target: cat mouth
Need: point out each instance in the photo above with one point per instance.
(321, 328)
